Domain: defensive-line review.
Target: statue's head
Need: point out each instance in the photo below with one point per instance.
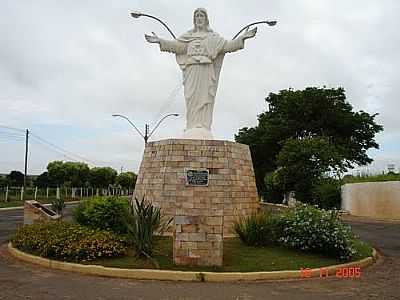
(200, 19)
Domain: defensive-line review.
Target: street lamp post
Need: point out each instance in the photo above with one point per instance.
(269, 23)
(137, 15)
(146, 134)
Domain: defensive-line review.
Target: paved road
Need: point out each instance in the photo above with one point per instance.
(380, 281)
(11, 219)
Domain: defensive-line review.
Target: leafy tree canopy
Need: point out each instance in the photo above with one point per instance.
(4, 181)
(102, 177)
(68, 173)
(57, 172)
(43, 180)
(16, 178)
(305, 133)
(126, 180)
(77, 173)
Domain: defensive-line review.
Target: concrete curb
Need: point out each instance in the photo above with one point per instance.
(21, 207)
(144, 274)
(11, 208)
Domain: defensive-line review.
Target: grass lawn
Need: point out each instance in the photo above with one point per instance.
(237, 258)
(13, 203)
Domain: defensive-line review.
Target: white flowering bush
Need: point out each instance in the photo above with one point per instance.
(306, 227)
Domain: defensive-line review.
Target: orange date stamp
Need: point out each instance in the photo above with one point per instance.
(342, 272)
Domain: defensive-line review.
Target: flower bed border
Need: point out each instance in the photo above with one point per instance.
(150, 274)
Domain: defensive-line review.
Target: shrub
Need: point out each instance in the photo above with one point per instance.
(303, 227)
(68, 242)
(272, 193)
(143, 221)
(57, 205)
(259, 229)
(327, 194)
(309, 228)
(103, 213)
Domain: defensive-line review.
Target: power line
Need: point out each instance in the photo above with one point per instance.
(11, 137)
(8, 133)
(12, 128)
(8, 140)
(54, 150)
(60, 150)
(8, 136)
(11, 133)
(65, 152)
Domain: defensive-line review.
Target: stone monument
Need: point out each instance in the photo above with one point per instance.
(199, 54)
(204, 184)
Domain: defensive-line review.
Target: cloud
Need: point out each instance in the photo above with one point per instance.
(70, 64)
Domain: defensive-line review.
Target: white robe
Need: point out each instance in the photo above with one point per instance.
(200, 56)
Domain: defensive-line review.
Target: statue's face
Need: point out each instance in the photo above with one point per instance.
(200, 19)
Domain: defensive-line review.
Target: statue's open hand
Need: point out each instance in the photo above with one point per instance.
(152, 38)
(249, 33)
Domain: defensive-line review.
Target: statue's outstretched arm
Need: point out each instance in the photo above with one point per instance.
(238, 43)
(173, 46)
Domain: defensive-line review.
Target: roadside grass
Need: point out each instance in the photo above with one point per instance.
(13, 203)
(237, 258)
(375, 178)
(18, 203)
(363, 250)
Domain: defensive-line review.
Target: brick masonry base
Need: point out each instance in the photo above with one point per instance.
(203, 215)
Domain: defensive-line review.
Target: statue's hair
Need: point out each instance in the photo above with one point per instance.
(204, 11)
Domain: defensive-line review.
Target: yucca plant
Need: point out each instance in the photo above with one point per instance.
(143, 221)
(259, 229)
(57, 205)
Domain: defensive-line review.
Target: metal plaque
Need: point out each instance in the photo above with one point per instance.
(197, 177)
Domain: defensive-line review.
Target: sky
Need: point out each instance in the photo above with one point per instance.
(67, 66)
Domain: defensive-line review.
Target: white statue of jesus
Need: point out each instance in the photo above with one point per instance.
(200, 53)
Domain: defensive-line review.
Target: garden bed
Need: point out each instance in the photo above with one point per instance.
(237, 258)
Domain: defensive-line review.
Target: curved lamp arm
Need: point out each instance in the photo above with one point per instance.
(133, 125)
(159, 122)
(270, 23)
(139, 14)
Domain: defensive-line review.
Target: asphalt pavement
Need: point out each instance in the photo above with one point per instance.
(381, 281)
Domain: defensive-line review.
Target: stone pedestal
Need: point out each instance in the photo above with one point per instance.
(203, 215)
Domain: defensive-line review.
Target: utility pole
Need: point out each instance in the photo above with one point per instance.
(26, 157)
(146, 133)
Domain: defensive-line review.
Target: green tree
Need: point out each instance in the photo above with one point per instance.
(68, 173)
(4, 181)
(305, 133)
(102, 177)
(302, 164)
(16, 178)
(43, 180)
(126, 180)
(76, 174)
(56, 172)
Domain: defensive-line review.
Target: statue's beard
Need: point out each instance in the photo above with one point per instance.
(200, 27)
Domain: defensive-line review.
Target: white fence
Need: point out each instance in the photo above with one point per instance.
(34, 193)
